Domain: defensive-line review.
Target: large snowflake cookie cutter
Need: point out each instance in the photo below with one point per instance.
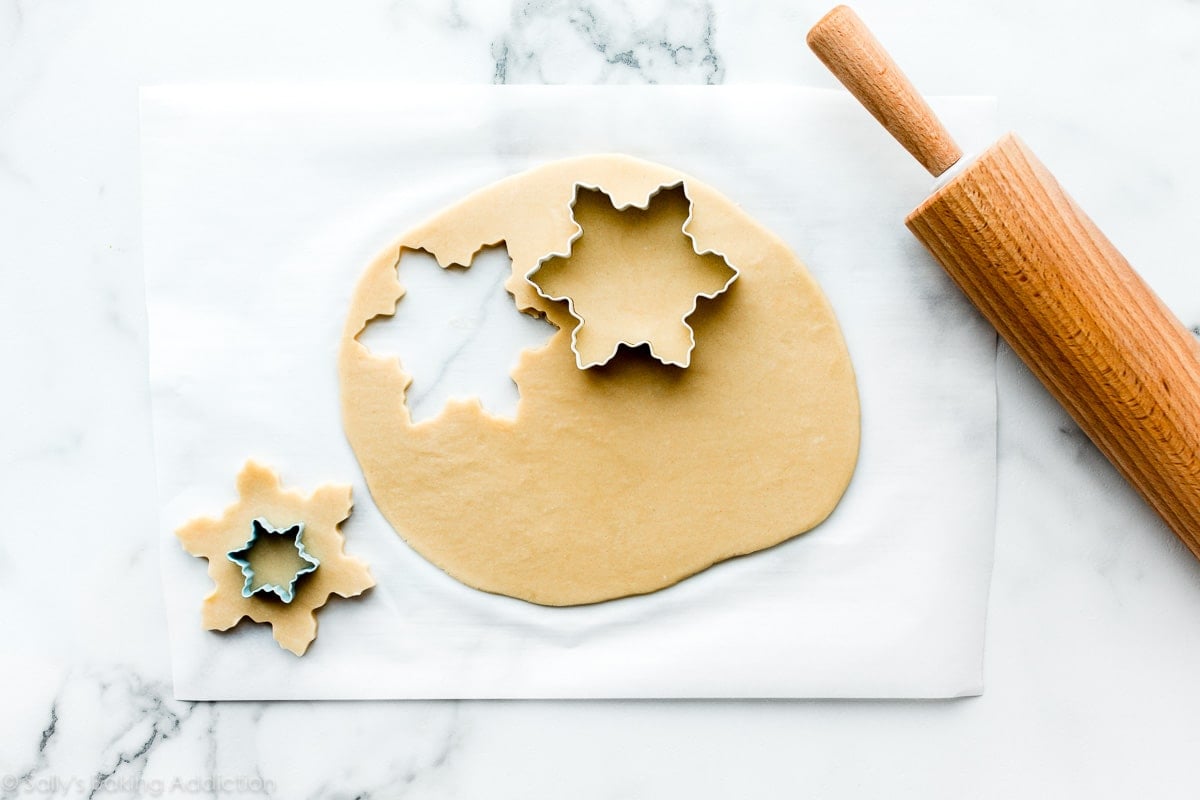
(597, 337)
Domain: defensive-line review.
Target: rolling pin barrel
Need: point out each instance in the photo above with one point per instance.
(1055, 288)
(1078, 315)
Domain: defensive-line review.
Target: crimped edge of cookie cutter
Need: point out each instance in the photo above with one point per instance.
(666, 187)
(285, 593)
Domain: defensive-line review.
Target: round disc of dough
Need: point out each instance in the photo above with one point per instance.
(621, 479)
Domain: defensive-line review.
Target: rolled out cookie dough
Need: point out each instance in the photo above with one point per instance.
(626, 478)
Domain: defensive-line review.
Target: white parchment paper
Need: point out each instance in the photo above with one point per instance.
(263, 205)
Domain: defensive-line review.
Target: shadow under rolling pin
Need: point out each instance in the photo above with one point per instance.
(1043, 274)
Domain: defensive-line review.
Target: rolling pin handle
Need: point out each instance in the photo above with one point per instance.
(851, 52)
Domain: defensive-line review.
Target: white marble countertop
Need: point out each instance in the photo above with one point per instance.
(1095, 608)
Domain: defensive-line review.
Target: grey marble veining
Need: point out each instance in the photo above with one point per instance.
(596, 42)
(1095, 607)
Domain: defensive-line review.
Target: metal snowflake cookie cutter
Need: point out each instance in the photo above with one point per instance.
(677, 356)
(260, 528)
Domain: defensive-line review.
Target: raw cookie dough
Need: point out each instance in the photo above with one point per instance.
(293, 624)
(621, 479)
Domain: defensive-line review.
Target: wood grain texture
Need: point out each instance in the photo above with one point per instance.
(1078, 315)
(851, 52)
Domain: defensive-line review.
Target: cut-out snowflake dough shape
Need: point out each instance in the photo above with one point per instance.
(632, 275)
(315, 568)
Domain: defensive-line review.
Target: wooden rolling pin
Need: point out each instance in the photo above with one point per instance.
(1045, 276)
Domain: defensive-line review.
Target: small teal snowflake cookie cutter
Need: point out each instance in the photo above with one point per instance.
(240, 556)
